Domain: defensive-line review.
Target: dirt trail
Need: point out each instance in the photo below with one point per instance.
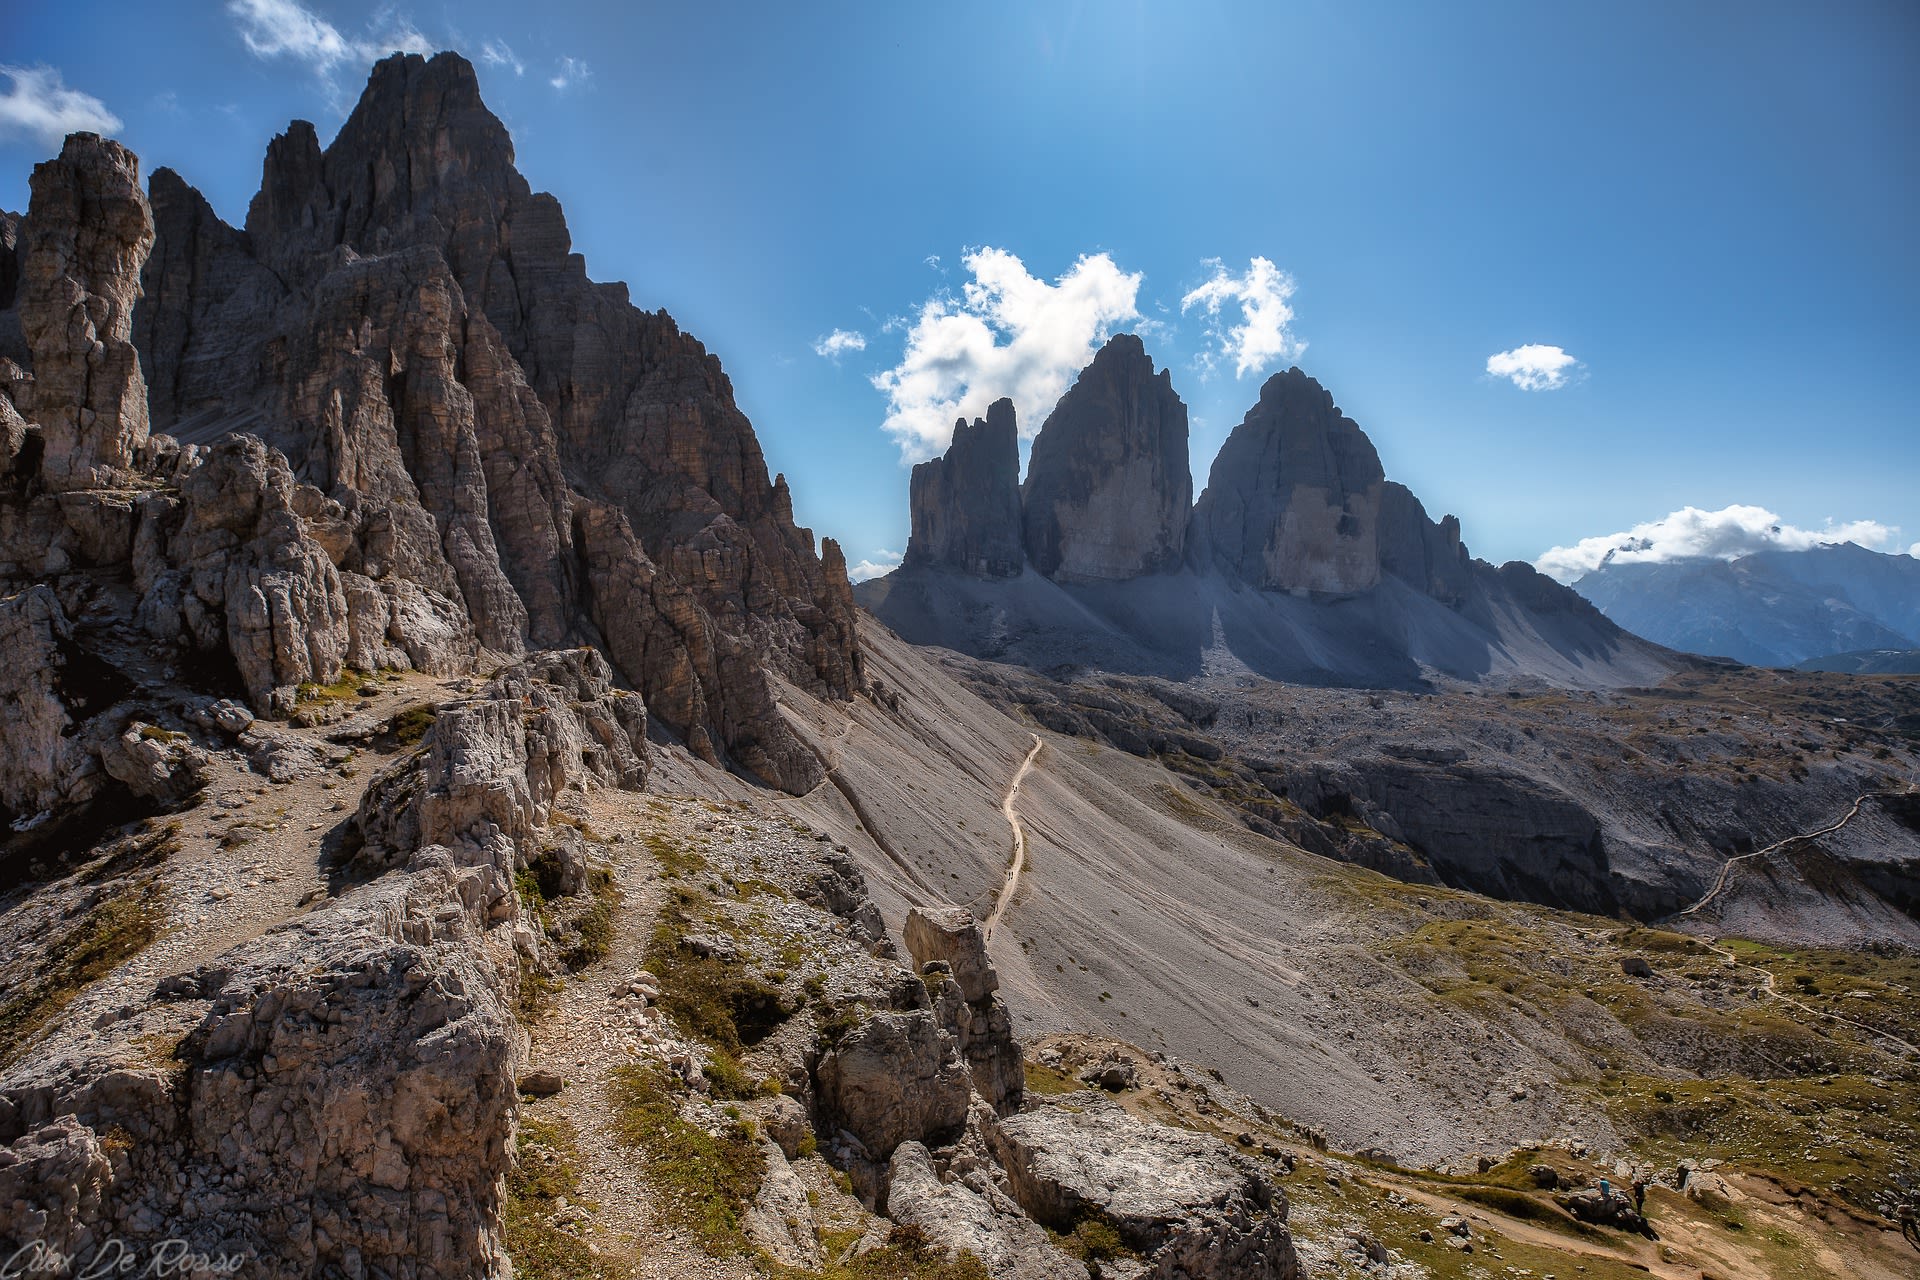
(1633, 1252)
(1012, 884)
(1767, 985)
(1726, 868)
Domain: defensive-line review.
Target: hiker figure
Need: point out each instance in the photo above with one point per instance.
(1606, 1191)
(1640, 1197)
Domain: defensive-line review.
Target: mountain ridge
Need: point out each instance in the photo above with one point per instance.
(1299, 561)
(1770, 607)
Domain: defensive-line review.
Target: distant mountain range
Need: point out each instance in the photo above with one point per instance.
(1770, 608)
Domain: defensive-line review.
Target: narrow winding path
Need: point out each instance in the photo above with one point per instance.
(1726, 868)
(1012, 884)
(1768, 985)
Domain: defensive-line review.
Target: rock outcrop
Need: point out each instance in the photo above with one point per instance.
(1108, 488)
(897, 1077)
(966, 504)
(339, 1097)
(950, 953)
(1184, 1201)
(42, 765)
(87, 235)
(984, 1221)
(952, 937)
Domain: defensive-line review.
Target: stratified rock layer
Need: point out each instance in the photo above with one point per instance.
(1108, 487)
(966, 504)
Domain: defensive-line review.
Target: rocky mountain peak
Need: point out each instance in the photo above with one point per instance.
(1108, 488)
(966, 505)
(480, 447)
(1292, 501)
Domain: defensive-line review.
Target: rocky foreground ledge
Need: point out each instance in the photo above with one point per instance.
(340, 1094)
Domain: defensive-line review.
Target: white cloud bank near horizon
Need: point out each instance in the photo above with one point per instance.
(1009, 333)
(37, 104)
(887, 563)
(1693, 534)
(1264, 334)
(1534, 367)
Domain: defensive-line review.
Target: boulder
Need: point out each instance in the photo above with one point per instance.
(897, 1077)
(780, 1218)
(986, 1223)
(154, 763)
(784, 1120)
(953, 936)
(1184, 1201)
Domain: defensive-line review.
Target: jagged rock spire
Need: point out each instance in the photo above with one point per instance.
(966, 505)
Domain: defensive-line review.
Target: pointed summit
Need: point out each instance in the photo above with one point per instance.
(966, 504)
(1297, 501)
(1108, 489)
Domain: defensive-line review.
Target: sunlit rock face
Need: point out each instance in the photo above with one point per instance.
(1108, 489)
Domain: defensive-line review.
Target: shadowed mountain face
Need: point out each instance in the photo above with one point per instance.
(1300, 561)
(966, 505)
(404, 318)
(1107, 490)
(1771, 608)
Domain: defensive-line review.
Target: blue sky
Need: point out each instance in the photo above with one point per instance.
(1690, 228)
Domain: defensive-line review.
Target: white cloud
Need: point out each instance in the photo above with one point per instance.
(288, 29)
(498, 53)
(1262, 336)
(1914, 551)
(887, 563)
(571, 72)
(1533, 367)
(1693, 534)
(838, 343)
(38, 105)
(1008, 334)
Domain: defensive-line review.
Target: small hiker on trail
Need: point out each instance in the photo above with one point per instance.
(1606, 1191)
(1640, 1197)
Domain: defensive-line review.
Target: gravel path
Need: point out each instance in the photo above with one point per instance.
(1012, 885)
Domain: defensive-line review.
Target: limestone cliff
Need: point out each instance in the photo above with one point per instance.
(404, 318)
(1297, 501)
(966, 505)
(1108, 488)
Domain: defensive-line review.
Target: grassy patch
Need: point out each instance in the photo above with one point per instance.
(1092, 1240)
(120, 923)
(703, 994)
(314, 694)
(704, 1180)
(1048, 1083)
(542, 1175)
(907, 1255)
(411, 725)
(1516, 1204)
(677, 861)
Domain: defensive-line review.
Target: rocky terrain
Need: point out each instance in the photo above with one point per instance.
(458, 825)
(1770, 608)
